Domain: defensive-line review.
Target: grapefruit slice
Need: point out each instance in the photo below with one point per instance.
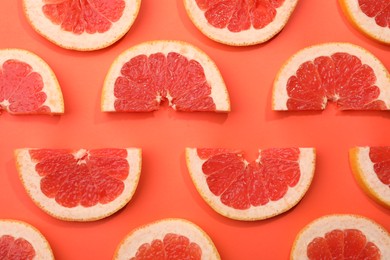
(167, 239)
(82, 25)
(371, 168)
(371, 17)
(241, 22)
(343, 73)
(146, 74)
(342, 237)
(27, 84)
(79, 185)
(260, 189)
(19, 240)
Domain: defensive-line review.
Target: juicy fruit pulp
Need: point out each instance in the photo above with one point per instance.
(146, 80)
(12, 248)
(79, 16)
(239, 15)
(380, 156)
(343, 244)
(377, 9)
(172, 246)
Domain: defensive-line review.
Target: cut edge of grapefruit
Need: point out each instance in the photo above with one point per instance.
(289, 68)
(244, 38)
(364, 173)
(363, 23)
(31, 182)
(84, 42)
(319, 227)
(272, 208)
(219, 92)
(51, 87)
(158, 229)
(21, 229)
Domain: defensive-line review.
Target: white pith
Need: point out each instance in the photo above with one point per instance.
(31, 182)
(272, 208)
(157, 230)
(247, 37)
(319, 227)
(51, 87)
(280, 95)
(19, 229)
(84, 41)
(219, 92)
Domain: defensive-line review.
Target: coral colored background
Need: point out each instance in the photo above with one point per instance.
(165, 188)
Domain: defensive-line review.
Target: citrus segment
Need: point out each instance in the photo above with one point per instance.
(19, 240)
(240, 22)
(370, 17)
(260, 189)
(80, 185)
(27, 84)
(371, 168)
(167, 239)
(342, 237)
(144, 75)
(340, 72)
(82, 25)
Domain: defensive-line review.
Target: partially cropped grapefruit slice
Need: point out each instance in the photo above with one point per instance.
(81, 24)
(146, 74)
(370, 17)
(240, 23)
(342, 237)
(260, 189)
(167, 239)
(79, 185)
(371, 168)
(340, 72)
(27, 84)
(19, 240)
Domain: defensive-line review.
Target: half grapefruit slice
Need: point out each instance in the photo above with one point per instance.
(371, 168)
(167, 239)
(371, 17)
(240, 23)
(146, 74)
(340, 72)
(82, 25)
(79, 185)
(27, 84)
(266, 187)
(19, 240)
(342, 237)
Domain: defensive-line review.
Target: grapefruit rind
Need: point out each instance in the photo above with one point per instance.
(85, 41)
(20, 229)
(319, 227)
(364, 23)
(280, 95)
(219, 93)
(272, 208)
(50, 83)
(157, 230)
(364, 173)
(31, 182)
(244, 38)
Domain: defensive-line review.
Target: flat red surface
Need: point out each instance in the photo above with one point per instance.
(165, 189)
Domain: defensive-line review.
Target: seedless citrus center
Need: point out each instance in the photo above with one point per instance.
(15, 246)
(378, 10)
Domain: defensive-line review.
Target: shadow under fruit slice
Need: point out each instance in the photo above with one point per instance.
(343, 73)
(241, 22)
(27, 84)
(342, 237)
(167, 239)
(79, 185)
(371, 169)
(19, 240)
(177, 72)
(256, 190)
(80, 24)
